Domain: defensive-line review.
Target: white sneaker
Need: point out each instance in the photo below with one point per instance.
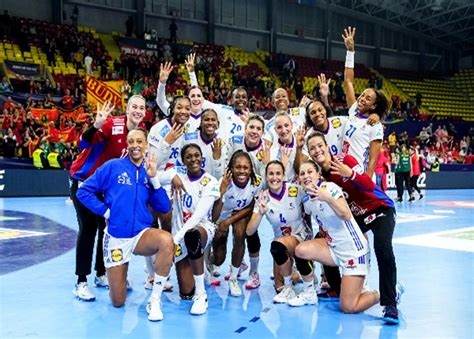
(209, 278)
(154, 309)
(234, 288)
(307, 297)
(101, 281)
(83, 293)
(243, 267)
(253, 281)
(400, 290)
(285, 294)
(215, 270)
(199, 305)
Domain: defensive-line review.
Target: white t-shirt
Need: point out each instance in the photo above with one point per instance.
(344, 237)
(211, 166)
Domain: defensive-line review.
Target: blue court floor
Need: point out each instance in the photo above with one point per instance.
(433, 243)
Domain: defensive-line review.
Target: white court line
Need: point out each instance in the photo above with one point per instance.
(412, 217)
(444, 211)
(437, 240)
(19, 233)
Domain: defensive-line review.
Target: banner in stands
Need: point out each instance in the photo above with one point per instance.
(101, 91)
(51, 114)
(138, 46)
(15, 69)
(68, 135)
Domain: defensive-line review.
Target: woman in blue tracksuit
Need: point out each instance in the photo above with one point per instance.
(129, 186)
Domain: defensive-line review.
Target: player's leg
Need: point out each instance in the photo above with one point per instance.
(352, 298)
(117, 276)
(238, 248)
(282, 250)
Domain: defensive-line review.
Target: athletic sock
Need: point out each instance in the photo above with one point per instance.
(199, 284)
(254, 264)
(234, 272)
(287, 281)
(149, 265)
(158, 285)
(308, 285)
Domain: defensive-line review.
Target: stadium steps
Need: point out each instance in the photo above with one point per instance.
(110, 45)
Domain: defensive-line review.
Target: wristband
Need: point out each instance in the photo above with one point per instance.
(155, 182)
(349, 59)
(107, 214)
(353, 175)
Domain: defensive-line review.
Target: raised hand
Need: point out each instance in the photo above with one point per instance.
(216, 147)
(285, 155)
(190, 62)
(176, 131)
(177, 187)
(226, 179)
(265, 152)
(300, 136)
(348, 37)
(246, 115)
(165, 71)
(339, 168)
(373, 119)
(323, 85)
(262, 202)
(151, 164)
(304, 101)
(103, 113)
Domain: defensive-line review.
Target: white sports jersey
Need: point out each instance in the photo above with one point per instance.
(167, 154)
(211, 166)
(229, 122)
(275, 154)
(237, 198)
(334, 135)
(285, 212)
(297, 116)
(236, 143)
(196, 188)
(358, 135)
(344, 237)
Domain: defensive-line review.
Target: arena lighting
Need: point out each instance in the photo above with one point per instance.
(437, 6)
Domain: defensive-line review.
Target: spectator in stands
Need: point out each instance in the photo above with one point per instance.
(129, 25)
(10, 144)
(68, 101)
(5, 86)
(75, 16)
(418, 99)
(88, 63)
(379, 83)
(424, 137)
(173, 29)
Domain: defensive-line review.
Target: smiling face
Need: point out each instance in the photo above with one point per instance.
(182, 111)
(318, 115)
(209, 123)
(283, 128)
(318, 151)
(136, 109)
(280, 99)
(137, 144)
(240, 99)
(366, 101)
(197, 99)
(253, 132)
(241, 170)
(192, 159)
(275, 176)
(308, 174)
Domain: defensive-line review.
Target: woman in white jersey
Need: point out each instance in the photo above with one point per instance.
(341, 244)
(238, 189)
(362, 141)
(192, 229)
(206, 138)
(286, 147)
(281, 203)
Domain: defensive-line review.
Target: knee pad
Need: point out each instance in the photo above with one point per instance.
(187, 296)
(279, 252)
(304, 266)
(253, 243)
(192, 240)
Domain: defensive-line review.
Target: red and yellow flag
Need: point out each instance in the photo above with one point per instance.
(101, 91)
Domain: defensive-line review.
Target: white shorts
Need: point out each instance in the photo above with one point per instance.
(182, 251)
(352, 265)
(305, 233)
(118, 251)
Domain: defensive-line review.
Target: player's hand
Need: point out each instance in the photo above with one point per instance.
(323, 85)
(176, 131)
(373, 119)
(265, 152)
(304, 101)
(151, 164)
(246, 115)
(226, 180)
(339, 168)
(348, 36)
(103, 113)
(285, 155)
(177, 187)
(216, 147)
(300, 136)
(165, 71)
(262, 203)
(190, 62)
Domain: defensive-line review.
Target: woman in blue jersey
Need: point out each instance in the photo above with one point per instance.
(129, 185)
(238, 189)
(281, 203)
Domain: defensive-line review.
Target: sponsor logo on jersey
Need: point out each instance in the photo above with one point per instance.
(117, 255)
(285, 230)
(237, 139)
(205, 181)
(164, 131)
(191, 136)
(350, 264)
(124, 179)
(336, 123)
(369, 218)
(295, 111)
(179, 251)
(293, 192)
(117, 130)
(257, 181)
